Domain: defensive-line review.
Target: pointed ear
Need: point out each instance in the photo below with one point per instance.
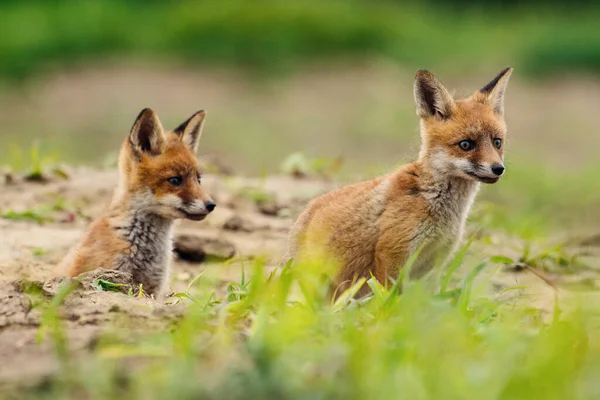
(190, 131)
(431, 96)
(147, 133)
(493, 92)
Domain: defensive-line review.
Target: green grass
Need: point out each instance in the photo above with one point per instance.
(279, 337)
(28, 215)
(43, 213)
(35, 161)
(270, 36)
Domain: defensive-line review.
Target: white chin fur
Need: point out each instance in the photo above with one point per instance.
(447, 165)
(195, 207)
(172, 206)
(460, 167)
(166, 206)
(171, 201)
(169, 206)
(171, 213)
(465, 175)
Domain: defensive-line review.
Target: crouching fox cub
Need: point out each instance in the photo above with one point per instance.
(159, 182)
(373, 227)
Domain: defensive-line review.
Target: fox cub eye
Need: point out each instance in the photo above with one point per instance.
(467, 145)
(498, 143)
(199, 179)
(175, 181)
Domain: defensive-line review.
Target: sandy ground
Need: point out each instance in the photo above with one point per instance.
(29, 250)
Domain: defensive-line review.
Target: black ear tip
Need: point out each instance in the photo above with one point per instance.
(181, 128)
(423, 73)
(492, 84)
(201, 113)
(146, 112)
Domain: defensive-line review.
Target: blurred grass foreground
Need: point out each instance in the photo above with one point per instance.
(278, 337)
(267, 35)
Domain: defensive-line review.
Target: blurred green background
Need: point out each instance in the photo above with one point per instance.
(331, 80)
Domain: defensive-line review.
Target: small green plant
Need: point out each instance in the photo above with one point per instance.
(54, 210)
(35, 164)
(34, 292)
(299, 165)
(140, 292)
(257, 195)
(51, 323)
(181, 296)
(29, 215)
(38, 251)
(106, 286)
(553, 258)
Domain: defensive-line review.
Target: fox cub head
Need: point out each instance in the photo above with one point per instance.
(462, 137)
(160, 171)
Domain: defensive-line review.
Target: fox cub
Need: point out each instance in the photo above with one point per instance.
(373, 227)
(159, 182)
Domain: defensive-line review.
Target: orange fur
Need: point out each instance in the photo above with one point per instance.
(373, 227)
(159, 182)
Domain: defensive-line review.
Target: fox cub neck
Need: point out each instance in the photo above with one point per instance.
(149, 245)
(159, 182)
(449, 198)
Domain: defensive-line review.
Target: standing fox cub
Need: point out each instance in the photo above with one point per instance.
(373, 227)
(159, 182)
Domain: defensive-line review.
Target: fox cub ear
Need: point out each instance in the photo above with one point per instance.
(431, 96)
(147, 133)
(493, 92)
(190, 131)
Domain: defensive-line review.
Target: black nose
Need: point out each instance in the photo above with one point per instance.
(210, 205)
(498, 169)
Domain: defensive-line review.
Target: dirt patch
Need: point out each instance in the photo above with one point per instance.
(36, 235)
(86, 312)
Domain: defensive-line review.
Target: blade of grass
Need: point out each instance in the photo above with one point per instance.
(454, 265)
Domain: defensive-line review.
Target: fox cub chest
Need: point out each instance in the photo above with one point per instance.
(441, 232)
(148, 255)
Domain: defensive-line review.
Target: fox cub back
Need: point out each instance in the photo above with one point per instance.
(159, 182)
(373, 227)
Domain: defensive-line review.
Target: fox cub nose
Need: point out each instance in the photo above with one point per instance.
(210, 205)
(498, 169)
